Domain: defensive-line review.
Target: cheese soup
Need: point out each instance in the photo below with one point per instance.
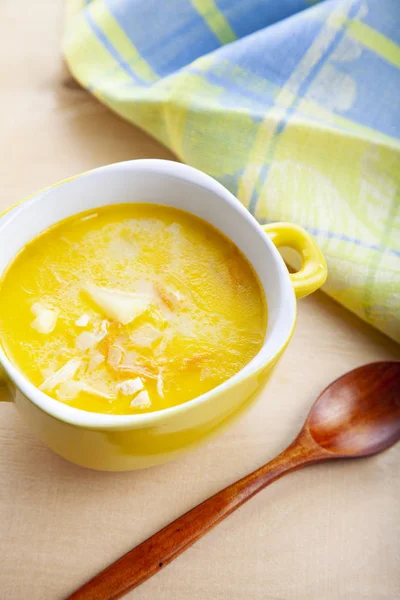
(130, 309)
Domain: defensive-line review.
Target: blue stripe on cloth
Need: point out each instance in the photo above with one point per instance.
(248, 16)
(342, 237)
(178, 35)
(364, 108)
(281, 126)
(103, 39)
(381, 16)
(274, 52)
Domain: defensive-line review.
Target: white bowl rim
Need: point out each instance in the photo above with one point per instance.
(102, 421)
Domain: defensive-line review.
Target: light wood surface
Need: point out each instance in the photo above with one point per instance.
(329, 533)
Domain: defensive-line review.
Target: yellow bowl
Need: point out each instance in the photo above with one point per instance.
(125, 442)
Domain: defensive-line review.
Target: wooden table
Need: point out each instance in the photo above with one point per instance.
(329, 533)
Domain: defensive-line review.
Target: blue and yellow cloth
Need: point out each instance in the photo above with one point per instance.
(293, 105)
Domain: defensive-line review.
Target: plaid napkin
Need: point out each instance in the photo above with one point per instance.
(293, 105)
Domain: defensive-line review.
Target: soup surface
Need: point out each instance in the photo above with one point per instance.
(130, 309)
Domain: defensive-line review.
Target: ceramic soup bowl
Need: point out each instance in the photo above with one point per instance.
(124, 442)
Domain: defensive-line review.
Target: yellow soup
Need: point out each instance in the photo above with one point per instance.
(130, 309)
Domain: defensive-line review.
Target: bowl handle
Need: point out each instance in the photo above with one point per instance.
(313, 271)
(5, 394)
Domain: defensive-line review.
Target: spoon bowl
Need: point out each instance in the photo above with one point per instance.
(357, 415)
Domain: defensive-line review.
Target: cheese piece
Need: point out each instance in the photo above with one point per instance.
(95, 360)
(46, 319)
(86, 341)
(146, 336)
(117, 305)
(142, 400)
(129, 387)
(160, 383)
(89, 339)
(70, 390)
(67, 372)
(83, 321)
(114, 356)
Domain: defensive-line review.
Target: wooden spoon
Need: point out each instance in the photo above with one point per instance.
(357, 415)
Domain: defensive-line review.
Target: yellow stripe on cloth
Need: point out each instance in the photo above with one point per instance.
(122, 44)
(215, 20)
(89, 62)
(375, 41)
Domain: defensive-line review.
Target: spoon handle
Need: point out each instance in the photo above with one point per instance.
(150, 556)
